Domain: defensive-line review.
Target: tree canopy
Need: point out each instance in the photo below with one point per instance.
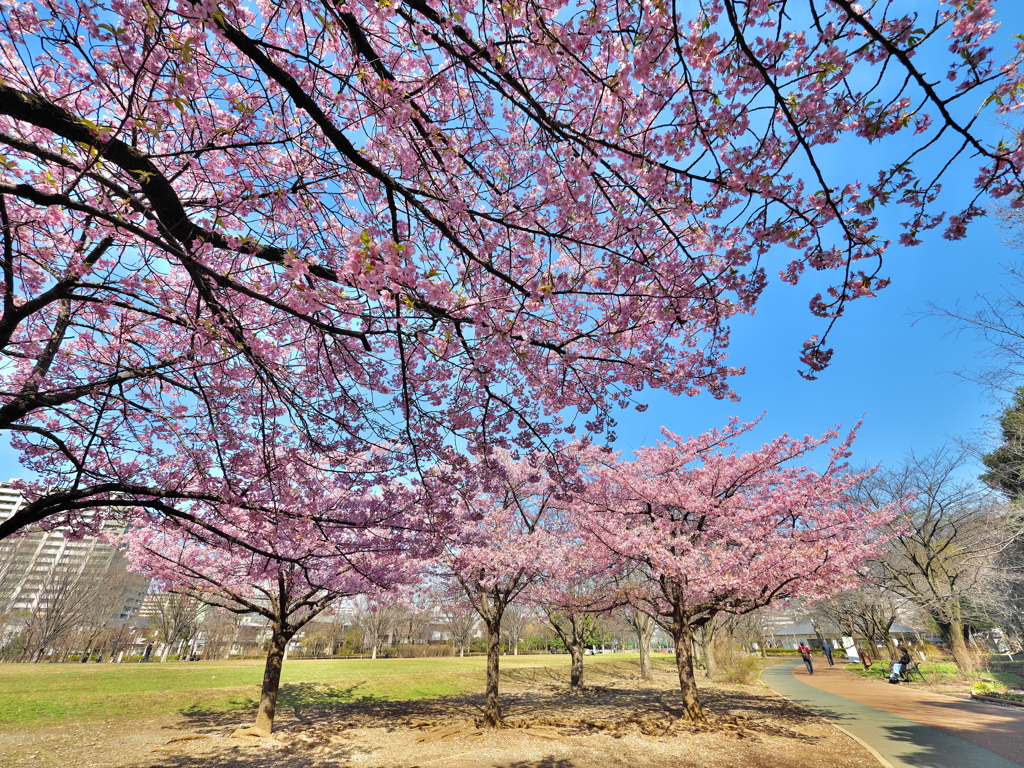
(719, 531)
(389, 229)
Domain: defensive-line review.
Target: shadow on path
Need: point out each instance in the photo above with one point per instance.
(897, 740)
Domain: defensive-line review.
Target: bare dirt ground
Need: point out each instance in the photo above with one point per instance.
(616, 722)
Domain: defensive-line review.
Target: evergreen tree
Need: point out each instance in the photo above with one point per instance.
(1005, 465)
(1005, 472)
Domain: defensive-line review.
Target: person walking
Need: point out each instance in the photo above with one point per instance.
(805, 654)
(827, 648)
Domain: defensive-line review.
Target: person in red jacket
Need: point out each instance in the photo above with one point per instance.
(805, 654)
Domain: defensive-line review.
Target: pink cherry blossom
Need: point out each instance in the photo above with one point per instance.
(720, 531)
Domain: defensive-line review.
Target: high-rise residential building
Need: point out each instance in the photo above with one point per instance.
(10, 500)
(38, 564)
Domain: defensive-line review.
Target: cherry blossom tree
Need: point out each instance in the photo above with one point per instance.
(286, 600)
(403, 226)
(574, 624)
(506, 535)
(721, 531)
(287, 568)
(575, 602)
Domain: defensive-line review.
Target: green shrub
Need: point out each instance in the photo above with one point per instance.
(423, 650)
(1004, 695)
(987, 687)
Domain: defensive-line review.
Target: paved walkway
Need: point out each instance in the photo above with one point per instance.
(907, 728)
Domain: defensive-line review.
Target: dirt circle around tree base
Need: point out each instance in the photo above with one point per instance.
(623, 722)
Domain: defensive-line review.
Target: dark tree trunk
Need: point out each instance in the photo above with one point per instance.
(492, 706)
(272, 680)
(576, 668)
(573, 629)
(682, 633)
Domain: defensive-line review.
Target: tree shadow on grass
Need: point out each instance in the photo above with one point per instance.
(296, 702)
(536, 676)
(558, 676)
(232, 707)
(322, 725)
(657, 709)
(308, 700)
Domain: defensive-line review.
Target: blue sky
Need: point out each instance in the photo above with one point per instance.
(891, 366)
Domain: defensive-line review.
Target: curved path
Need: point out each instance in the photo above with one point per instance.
(904, 727)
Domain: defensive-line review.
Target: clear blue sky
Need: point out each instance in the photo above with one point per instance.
(894, 372)
(891, 367)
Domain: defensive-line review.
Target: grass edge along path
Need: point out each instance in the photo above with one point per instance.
(1001, 674)
(42, 695)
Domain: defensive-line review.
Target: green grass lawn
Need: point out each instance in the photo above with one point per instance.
(50, 694)
(1005, 673)
(937, 671)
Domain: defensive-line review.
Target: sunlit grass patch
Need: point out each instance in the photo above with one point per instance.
(48, 694)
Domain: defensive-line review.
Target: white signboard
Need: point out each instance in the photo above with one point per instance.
(851, 650)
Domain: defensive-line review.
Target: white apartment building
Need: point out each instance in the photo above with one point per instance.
(30, 564)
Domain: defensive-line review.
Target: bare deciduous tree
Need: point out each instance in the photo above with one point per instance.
(513, 627)
(65, 601)
(460, 621)
(945, 547)
(377, 620)
(412, 625)
(643, 625)
(219, 628)
(175, 618)
(107, 601)
(868, 611)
